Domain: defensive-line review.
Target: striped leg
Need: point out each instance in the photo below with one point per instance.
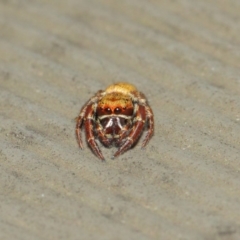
(140, 97)
(121, 139)
(89, 123)
(150, 122)
(135, 132)
(81, 119)
(102, 137)
(86, 117)
(78, 127)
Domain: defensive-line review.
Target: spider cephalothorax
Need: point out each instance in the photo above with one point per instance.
(117, 117)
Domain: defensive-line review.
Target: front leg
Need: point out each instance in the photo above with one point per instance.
(150, 126)
(81, 118)
(135, 132)
(91, 140)
(102, 137)
(141, 99)
(89, 124)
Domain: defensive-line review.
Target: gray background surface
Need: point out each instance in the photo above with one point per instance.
(184, 55)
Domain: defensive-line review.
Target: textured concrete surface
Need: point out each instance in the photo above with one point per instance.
(184, 55)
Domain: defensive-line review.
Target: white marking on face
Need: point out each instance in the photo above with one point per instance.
(119, 123)
(112, 116)
(110, 123)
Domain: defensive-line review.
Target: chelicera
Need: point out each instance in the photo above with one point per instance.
(116, 117)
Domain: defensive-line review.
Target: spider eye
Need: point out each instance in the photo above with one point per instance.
(117, 110)
(108, 110)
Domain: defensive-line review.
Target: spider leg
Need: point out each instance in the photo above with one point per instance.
(79, 123)
(135, 132)
(149, 117)
(89, 122)
(150, 126)
(123, 135)
(102, 137)
(86, 112)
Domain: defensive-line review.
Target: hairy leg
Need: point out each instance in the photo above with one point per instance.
(82, 115)
(89, 123)
(102, 137)
(150, 126)
(135, 132)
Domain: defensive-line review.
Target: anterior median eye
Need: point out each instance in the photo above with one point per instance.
(117, 110)
(108, 110)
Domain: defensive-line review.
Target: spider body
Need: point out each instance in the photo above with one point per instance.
(117, 117)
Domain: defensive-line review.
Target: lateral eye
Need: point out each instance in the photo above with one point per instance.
(117, 110)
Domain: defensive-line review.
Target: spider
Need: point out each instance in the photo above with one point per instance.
(117, 117)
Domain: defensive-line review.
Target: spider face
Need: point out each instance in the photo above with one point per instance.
(116, 116)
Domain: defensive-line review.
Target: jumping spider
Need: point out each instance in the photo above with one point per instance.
(116, 116)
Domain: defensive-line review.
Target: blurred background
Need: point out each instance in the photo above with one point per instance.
(184, 55)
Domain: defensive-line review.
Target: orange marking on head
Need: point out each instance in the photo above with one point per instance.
(115, 103)
(121, 87)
